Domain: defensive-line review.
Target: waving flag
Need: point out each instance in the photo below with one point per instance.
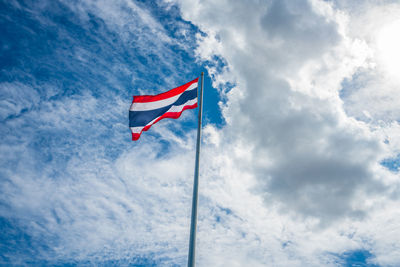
(149, 109)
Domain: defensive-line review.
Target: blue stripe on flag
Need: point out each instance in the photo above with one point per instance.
(142, 118)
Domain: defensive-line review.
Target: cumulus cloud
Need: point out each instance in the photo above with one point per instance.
(375, 85)
(310, 156)
(307, 154)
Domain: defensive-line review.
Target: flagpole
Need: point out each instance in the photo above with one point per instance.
(193, 223)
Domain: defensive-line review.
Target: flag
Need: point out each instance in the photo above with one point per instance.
(149, 109)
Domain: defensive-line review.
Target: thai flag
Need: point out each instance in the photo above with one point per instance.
(149, 109)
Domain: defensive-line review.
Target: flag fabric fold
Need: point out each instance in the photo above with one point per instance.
(146, 110)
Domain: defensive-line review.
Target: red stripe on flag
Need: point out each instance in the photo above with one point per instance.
(168, 94)
(170, 115)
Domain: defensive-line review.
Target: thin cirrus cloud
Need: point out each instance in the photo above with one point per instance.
(68, 73)
(293, 177)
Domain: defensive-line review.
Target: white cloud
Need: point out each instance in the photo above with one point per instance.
(72, 183)
(373, 89)
(16, 98)
(288, 139)
(125, 209)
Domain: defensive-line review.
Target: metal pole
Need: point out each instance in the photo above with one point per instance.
(193, 223)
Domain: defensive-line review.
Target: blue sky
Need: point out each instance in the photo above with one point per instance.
(300, 149)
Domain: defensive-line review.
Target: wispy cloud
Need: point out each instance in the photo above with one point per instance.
(73, 185)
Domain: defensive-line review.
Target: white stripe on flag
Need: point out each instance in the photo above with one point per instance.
(138, 106)
(136, 129)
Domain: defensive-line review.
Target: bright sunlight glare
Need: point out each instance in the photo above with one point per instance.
(388, 41)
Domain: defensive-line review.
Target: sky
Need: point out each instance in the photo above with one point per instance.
(300, 154)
